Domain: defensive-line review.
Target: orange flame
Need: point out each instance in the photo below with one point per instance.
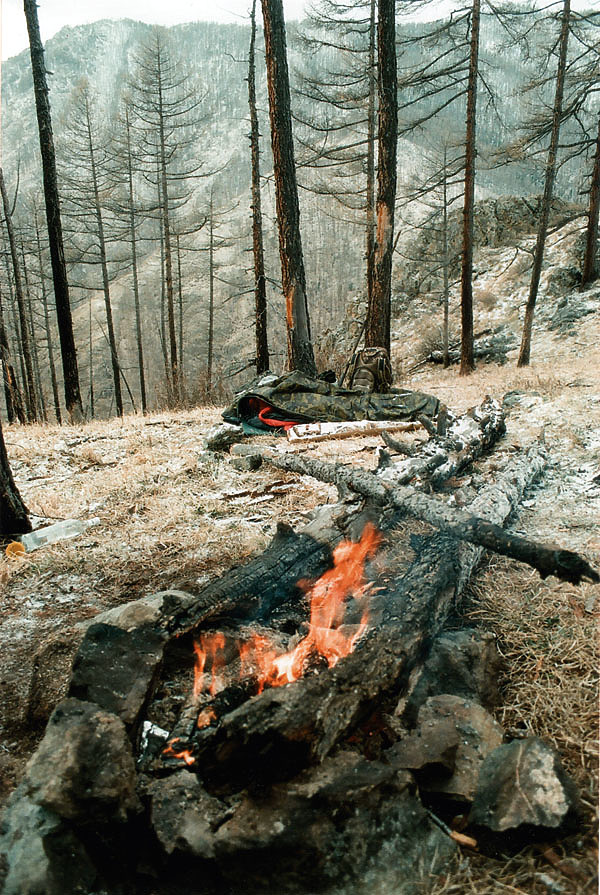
(210, 646)
(327, 635)
(184, 754)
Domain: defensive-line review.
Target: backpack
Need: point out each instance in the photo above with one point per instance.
(371, 371)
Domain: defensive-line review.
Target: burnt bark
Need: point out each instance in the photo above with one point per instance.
(377, 330)
(57, 255)
(134, 263)
(260, 283)
(467, 363)
(299, 345)
(12, 393)
(590, 260)
(538, 255)
(370, 160)
(49, 341)
(14, 515)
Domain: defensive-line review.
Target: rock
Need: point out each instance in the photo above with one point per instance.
(523, 783)
(432, 748)
(184, 816)
(150, 610)
(116, 668)
(347, 819)
(464, 663)
(32, 848)
(478, 735)
(222, 436)
(83, 769)
(249, 463)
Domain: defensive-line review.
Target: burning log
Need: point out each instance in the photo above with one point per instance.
(278, 732)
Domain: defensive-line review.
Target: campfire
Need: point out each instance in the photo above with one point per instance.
(282, 730)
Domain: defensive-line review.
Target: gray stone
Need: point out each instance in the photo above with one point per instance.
(117, 668)
(248, 463)
(478, 735)
(49, 676)
(32, 846)
(430, 748)
(523, 783)
(150, 610)
(346, 821)
(83, 769)
(222, 436)
(464, 663)
(184, 816)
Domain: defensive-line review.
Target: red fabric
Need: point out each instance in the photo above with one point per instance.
(276, 424)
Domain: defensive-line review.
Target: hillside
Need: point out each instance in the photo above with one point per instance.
(171, 516)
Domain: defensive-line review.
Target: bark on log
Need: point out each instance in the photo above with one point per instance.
(461, 524)
(467, 437)
(281, 730)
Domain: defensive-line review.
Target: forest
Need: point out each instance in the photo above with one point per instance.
(300, 453)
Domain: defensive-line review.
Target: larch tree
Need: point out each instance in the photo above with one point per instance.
(377, 329)
(260, 283)
(299, 344)
(549, 178)
(53, 218)
(87, 183)
(590, 269)
(14, 515)
(165, 104)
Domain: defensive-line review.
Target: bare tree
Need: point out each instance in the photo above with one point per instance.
(299, 345)
(260, 286)
(377, 329)
(551, 161)
(14, 515)
(59, 270)
(590, 261)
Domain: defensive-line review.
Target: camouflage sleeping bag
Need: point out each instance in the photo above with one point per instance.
(297, 398)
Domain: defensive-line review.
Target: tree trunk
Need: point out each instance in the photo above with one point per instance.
(538, 257)
(211, 299)
(29, 381)
(299, 344)
(446, 262)
(134, 267)
(112, 343)
(12, 394)
(467, 362)
(59, 270)
(40, 398)
(377, 330)
(180, 311)
(17, 348)
(590, 261)
(165, 211)
(260, 284)
(14, 516)
(49, 344)
(371, 132)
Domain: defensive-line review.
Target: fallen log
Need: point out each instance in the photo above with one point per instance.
(548, 560)
(281, 730)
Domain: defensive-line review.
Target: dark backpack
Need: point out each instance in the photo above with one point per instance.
(371, 371)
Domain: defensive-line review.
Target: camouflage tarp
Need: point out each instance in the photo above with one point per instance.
(300, 398)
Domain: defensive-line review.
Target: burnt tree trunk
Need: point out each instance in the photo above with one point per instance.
(260, 283)
(57, 255)
(299, 345)
(538, 256)
(590, 260)
(29, 380)
(377, 330)
(211, 298)
(14, 516)
(40, 397)
(371, 132)
(12, 394)
(467, 363)
(49, 343)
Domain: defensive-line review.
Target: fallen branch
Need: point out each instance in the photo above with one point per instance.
(564, 564)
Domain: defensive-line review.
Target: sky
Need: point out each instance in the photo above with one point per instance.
(55, 14)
